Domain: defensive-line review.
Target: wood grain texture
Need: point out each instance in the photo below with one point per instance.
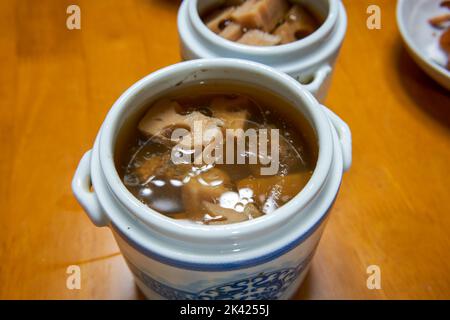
(56, 86)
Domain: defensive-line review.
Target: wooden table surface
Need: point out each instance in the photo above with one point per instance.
(57, 85)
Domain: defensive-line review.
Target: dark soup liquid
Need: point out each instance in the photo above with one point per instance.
(217, 153)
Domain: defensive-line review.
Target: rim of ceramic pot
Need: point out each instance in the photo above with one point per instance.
(182, 229)
(319, 34)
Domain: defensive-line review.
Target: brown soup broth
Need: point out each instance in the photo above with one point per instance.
(218, 193)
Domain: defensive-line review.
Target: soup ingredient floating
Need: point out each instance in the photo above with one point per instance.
(215, 193)
(262, 22)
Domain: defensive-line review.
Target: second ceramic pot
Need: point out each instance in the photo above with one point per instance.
(310, 60)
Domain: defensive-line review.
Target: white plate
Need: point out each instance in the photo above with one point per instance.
(421, 39)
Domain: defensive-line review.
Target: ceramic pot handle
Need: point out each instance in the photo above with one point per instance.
(345, 137)
(319, 78)
(82, 189)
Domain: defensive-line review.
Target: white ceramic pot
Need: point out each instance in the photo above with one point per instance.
(310, 60)
(265, 258)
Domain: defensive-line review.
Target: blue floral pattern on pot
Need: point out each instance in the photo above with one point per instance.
(268, 285)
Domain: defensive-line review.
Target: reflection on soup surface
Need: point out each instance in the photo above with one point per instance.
(216, 153)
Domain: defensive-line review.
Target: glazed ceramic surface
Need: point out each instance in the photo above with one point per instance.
(265, 258)
(310, 60)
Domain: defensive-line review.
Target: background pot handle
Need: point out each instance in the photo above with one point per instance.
(318, 79)
(345, 137)
(82, 189)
